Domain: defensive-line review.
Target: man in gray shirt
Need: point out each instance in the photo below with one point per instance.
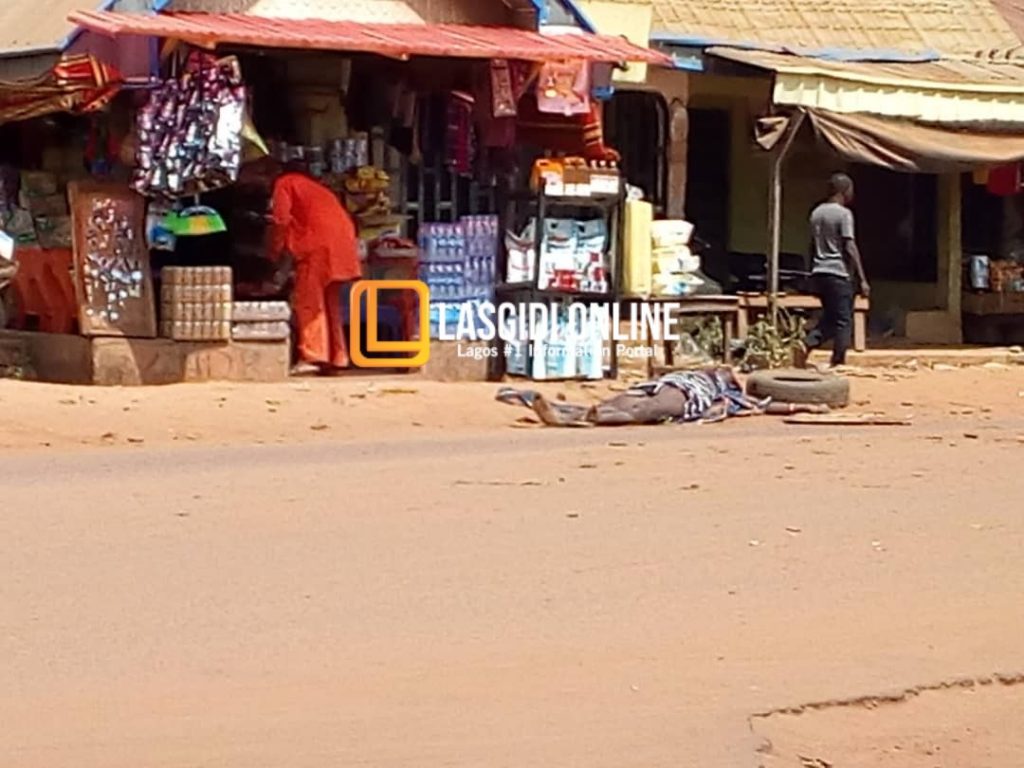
(836, 263)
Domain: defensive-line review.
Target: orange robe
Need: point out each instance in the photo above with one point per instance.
(312, 225)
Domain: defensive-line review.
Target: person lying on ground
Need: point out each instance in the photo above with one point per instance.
(707, 395)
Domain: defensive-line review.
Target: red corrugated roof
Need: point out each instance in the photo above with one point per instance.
(394, 40)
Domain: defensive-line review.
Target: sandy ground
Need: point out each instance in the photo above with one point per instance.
(396, 573)
(40, 416)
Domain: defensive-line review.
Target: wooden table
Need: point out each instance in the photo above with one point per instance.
(754, 304)
(988, 304)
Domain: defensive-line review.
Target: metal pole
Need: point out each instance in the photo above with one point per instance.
(774, 236)
(775, 214)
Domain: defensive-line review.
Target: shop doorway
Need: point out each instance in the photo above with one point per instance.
(897, 218)
(707, 186)
(983, 220)
(636, 123)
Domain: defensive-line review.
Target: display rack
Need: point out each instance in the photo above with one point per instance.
(611, 208)
(539, 206)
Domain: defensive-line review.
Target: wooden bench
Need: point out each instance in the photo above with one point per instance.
(753, 305)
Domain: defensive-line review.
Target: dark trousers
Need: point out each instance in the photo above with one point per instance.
(836, 324)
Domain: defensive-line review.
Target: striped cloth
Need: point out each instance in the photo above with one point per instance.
(711, 394)
(78, 83)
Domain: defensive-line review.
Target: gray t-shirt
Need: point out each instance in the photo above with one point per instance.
(831, 226)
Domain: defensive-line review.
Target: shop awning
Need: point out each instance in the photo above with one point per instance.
(393, 40)
(944, 91)
(901, 145)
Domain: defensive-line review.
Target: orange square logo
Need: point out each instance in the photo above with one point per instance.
(400, 354)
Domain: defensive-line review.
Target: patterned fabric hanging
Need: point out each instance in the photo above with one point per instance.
(459, 141)
(563, 88)
(77, 84)
(581, 135)
(1004, 181)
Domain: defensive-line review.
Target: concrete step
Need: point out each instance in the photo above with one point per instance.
(929, 357)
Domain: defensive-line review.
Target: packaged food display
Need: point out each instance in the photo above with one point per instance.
(575, 177)
(196, 303)
(457, 261)
(261, 331)
(574, 256)
(346, 154)
(261, 311)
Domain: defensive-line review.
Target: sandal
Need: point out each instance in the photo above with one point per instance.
(305, 369)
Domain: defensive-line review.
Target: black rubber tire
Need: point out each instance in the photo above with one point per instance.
(801, 387)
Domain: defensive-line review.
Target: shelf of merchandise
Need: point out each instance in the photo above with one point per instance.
(541, 204)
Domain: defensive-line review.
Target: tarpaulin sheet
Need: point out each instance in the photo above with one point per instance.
(913, 147)
(951, 91)
(76, 84)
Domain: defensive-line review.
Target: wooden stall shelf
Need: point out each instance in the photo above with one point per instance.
(113, 279)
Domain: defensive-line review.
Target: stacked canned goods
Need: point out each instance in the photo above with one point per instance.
(196, 303)
(261, 321)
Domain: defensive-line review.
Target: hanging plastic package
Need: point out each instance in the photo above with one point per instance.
(158, 236)
(592, 255)
(190, 131)
(602, 86)
(522, 256)
(557, 267)
(563, 88)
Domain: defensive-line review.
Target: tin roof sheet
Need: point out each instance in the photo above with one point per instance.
(946, 27)
(1013, 12)
(37, 25)
(395, 40)
(368, 11)
(960, 92)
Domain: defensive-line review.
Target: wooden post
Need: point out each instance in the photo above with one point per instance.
(950, 252)
(775, 214)
(774, 236)
(678, 149)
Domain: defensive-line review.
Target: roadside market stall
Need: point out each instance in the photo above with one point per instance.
(58, 129)
(418, 128)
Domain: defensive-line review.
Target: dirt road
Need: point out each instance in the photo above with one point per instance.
(403, 579)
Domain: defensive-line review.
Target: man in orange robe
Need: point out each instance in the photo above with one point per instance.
(312, 226)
